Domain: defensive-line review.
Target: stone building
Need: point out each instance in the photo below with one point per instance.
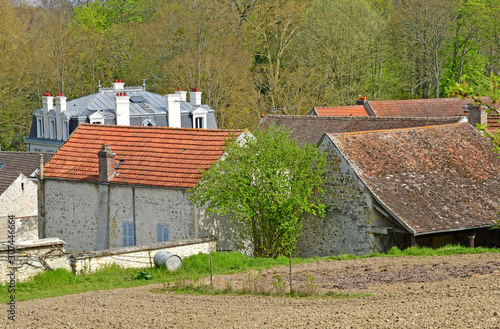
(427, 185)
(118, 105)
(110, 186)
(18, 192)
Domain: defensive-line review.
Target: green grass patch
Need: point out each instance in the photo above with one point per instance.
(61, 282)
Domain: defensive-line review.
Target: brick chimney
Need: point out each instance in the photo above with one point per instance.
(477, 114)
(48, 105)
(106, 164)
(122, 109)
(174, 110)
(195, 97)
(361, 100)
(60, 107)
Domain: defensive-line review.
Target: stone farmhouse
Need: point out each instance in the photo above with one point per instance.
(18, 192)
(426, 185)
(119, 186)
(118, 105)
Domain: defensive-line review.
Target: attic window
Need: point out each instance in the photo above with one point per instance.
(1, 165)
(137, 99)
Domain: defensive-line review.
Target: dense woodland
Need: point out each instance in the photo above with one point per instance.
(247, 56)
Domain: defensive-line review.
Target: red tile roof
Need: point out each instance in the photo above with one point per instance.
(493, 123)
(152, 156)
(341, 111)
(432, 107)
(434, 179)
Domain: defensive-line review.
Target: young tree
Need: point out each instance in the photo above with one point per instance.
(266, 182)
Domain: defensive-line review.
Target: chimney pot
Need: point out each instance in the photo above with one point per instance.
(120, 80)
(178, 88)
(116, 80)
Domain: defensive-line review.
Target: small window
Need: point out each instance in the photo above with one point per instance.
(65, 132)
(198, 122)
(162, 233)
(52, 129)
(1, 165)
(39, 128)
(128, 234)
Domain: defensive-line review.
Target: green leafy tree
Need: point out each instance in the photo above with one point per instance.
(265, 183)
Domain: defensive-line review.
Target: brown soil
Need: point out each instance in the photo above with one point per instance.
(461, 291)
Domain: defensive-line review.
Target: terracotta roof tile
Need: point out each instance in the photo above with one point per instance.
(432, 107)
(309, 128)
(433, 179)
(153, 156)
(342, 111)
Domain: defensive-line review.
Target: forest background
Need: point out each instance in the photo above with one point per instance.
(248, 57)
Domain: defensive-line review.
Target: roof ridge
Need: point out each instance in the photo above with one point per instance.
(160, 128)
(396, 129)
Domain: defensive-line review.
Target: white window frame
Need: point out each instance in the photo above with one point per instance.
(200, 113)
(52, 129)
(39, 127)
(65, 129)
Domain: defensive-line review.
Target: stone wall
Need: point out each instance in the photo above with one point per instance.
(352, 224)
(140, 256)
(26, 228)
(20, 198)
(73, 210)
(32, 257)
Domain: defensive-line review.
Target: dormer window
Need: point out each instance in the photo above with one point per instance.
(96, 119)
(149, 123)
(200, 118)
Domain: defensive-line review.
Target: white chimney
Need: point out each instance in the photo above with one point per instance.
(195, 97)
(48, 105)
(122, 109)
(118, 84)
(174, 110)
(60, 107)
(182, 93)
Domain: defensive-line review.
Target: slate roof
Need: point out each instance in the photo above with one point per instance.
(151, 156)
(432, 107)
(16, 163)
(309, 128)
(432, 179)
(341, 111)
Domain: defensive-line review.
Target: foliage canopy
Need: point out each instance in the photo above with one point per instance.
(265, 183)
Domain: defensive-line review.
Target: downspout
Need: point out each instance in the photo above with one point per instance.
(133, 215)
(41, 202)
(195, 222)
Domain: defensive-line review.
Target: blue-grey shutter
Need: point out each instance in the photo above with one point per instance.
(128, 234)
(159, 233)
(162, 233)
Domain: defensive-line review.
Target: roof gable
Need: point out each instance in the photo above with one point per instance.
(16, 163)
(434, 179)
(152, 156)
